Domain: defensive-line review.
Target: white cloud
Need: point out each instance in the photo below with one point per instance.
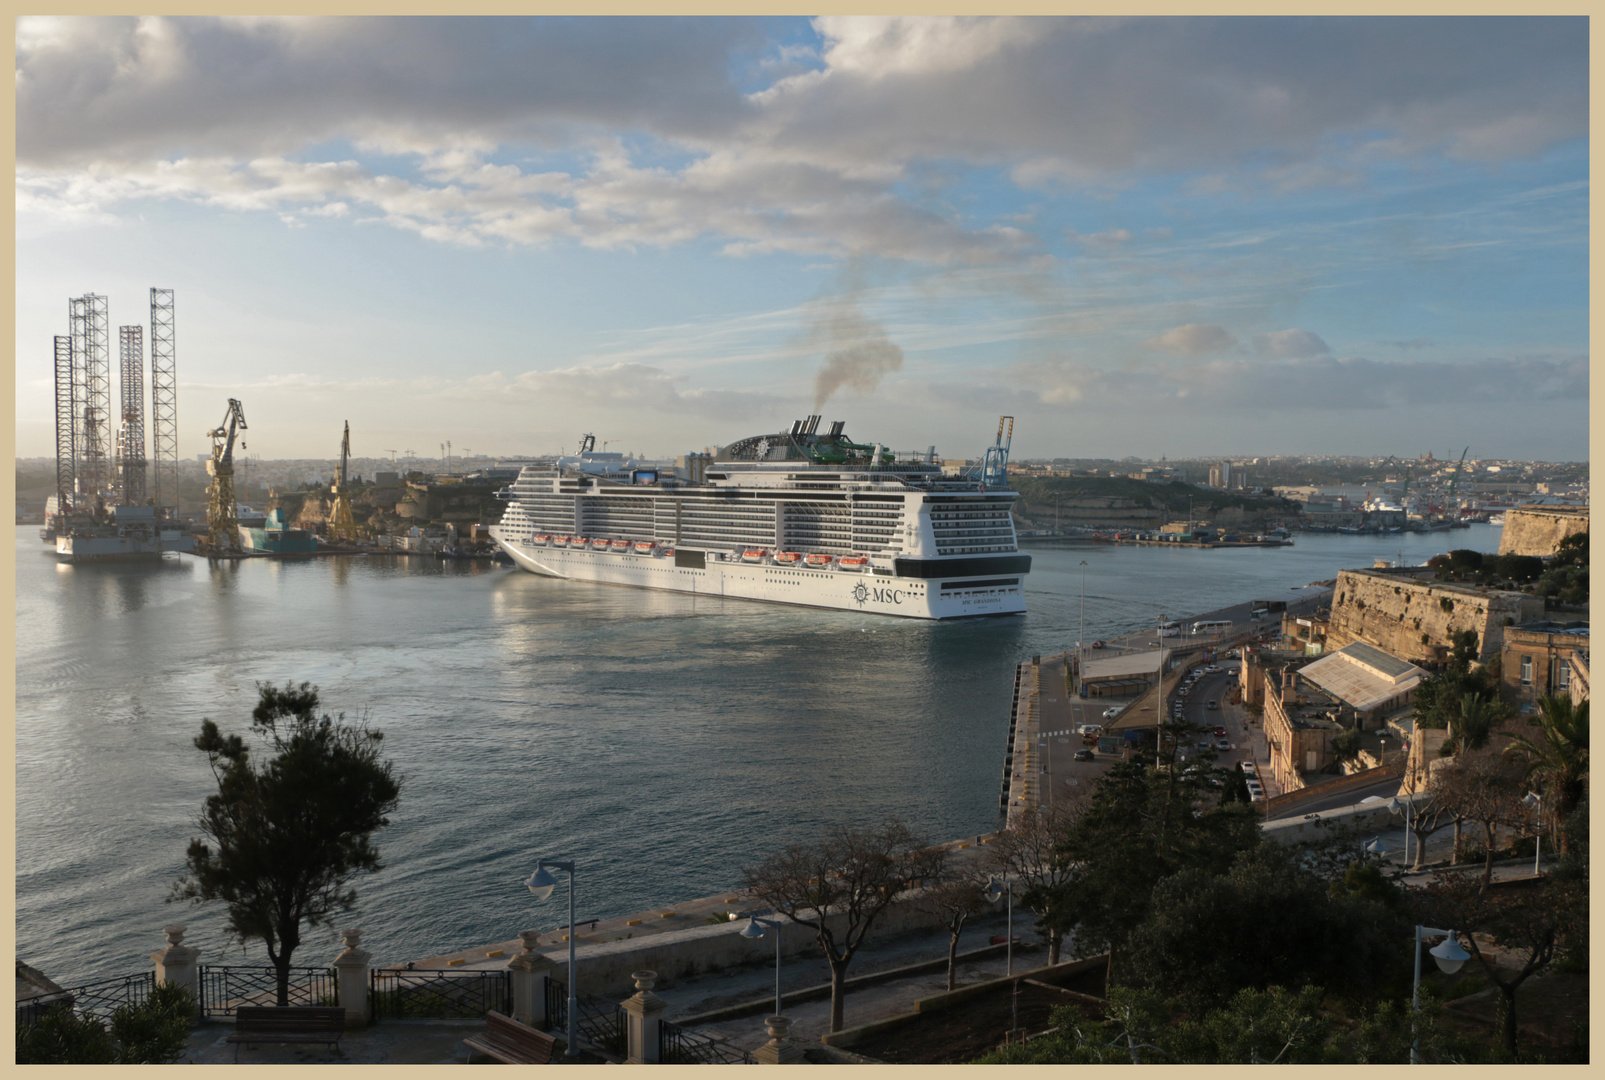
(1193, 339)
(238, 113)
(1290, 344)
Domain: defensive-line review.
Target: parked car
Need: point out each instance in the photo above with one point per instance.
(1084, 755)
(1222, 745)
(1211, 705)
(1220, 729)
(1111, 713)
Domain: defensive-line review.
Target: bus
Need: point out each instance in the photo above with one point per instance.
(1215, 626)
(1169, 629)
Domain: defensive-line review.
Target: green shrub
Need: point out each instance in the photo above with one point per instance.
(153, 1032)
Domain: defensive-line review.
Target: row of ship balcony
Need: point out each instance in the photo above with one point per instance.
(654, 549)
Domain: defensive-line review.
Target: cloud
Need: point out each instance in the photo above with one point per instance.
(620, 132)
(1289, 344)
(1316, 384)
(1411, 343)
(1193, 339)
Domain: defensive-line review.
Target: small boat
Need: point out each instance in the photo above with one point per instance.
(787, 558)
(1497, 519)
(621, 545)
(853, 562)
(577, 541)
(818, 560)
(754, 554)
(601, 545)
(540, 538)
(644, 547)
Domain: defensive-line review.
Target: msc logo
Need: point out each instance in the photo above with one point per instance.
(863, 593)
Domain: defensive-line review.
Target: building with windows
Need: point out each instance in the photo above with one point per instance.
(1542, 657)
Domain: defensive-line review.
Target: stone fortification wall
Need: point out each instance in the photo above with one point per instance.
(1539, 530)
(1414, 620)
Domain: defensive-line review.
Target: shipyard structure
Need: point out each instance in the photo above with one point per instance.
(112, 501)
(794, 517)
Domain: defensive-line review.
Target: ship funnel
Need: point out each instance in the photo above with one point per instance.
(836, 427)
(813, 424)
(796, 427)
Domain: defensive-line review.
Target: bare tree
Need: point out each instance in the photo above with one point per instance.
(1482, 786)
(840, 885)
(955, 894)
(1530, 923)
(1029, 853)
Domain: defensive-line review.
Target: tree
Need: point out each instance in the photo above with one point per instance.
(1140, 826)
(955, 894)
(281, 843)
(839, 886)
(1346, 744)
(1480, 786)
(1478, 718)
(1029, 853)
(1558, 757)
(1266, 922)
(1531, 923)
(153, 1032)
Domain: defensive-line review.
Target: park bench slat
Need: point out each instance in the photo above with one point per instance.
(262, 1024)
(512, 1043)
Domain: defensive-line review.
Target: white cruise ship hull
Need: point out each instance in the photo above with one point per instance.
(842, 590)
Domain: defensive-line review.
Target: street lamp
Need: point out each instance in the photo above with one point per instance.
(1533, 799)
(993, 891)
(1408, 809)
(1448, 955)
(1081, 640)
(755, 928)
(541, 883)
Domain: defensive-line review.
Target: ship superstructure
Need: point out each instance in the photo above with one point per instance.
(794, 517)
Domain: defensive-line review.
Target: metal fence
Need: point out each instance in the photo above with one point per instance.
(677, 1046)
(439, 993)
(600, 1022)
(102, 997)
(224, 989)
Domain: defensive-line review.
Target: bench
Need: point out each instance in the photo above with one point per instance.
(258, 1024)
(512, 1043)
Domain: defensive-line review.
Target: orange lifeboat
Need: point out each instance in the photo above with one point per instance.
(818, 560)
(754, 554)
(600, 545)
(540, 538)
(644, 547)
(787, 558)
(853, 562)
(577, 541)
(667, 551)
(621, 545)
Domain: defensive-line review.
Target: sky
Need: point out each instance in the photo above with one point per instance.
(1147, 236)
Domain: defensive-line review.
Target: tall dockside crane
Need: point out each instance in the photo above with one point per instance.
(222, 511)
(1454, 477)
(341, 524)
(995, 473)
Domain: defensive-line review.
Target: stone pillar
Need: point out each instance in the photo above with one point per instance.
(530, 970)
(643, 1012)
(779, 1050)
(351, 967)
(176, 964)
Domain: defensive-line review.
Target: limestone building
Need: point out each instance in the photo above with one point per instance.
(1542, 658)
(1415, 619)
(1538, 530)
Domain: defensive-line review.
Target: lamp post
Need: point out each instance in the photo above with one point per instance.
(1408, 809)
(755, 928)
(1082, 638)
(1448, 955)
(541, 884)
(993, 891)
(1536, 800)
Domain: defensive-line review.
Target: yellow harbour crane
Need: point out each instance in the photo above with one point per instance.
(341, 525)
(222, 511)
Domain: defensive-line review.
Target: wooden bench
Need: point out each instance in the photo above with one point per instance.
(258, 1024)
(512, 1043)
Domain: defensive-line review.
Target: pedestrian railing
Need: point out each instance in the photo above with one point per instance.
(439, 993)
(226, 988)
(599, 1022)
(677, 1046)
(101, 998)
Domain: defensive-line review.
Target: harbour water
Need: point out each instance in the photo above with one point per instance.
(661, 740)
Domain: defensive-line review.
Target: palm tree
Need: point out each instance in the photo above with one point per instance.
(1477, 720)
(1558, 759)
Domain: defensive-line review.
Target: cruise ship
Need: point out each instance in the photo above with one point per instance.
(795, 517)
